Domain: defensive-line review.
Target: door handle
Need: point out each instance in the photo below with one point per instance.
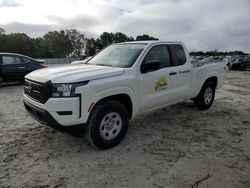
(21, 67)
(172, 73)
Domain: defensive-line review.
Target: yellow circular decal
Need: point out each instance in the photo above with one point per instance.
(161, 84)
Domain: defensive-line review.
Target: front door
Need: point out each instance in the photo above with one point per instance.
(157, 87)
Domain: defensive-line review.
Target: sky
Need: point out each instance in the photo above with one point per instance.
(201, 24)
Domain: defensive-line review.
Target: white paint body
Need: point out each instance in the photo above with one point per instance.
(108, 81)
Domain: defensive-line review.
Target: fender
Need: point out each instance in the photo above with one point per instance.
(111, 92)
(210, 75)
(202, 76)
(213, 74)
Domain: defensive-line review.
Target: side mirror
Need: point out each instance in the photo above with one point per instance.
(150, 66)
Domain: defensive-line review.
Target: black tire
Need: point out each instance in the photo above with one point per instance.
(200, 102)
(1, 81)
(243, 68)
(95, 128)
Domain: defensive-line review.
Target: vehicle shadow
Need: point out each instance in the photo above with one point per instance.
(79, 130)
(75, 131)
(9, 84)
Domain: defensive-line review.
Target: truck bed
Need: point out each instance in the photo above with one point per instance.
(203, 70)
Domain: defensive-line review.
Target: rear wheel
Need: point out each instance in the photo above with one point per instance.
(107, 125)
(206, 96)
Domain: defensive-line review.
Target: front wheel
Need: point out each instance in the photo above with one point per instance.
(108, 124)
(206, 96)
(243, 68)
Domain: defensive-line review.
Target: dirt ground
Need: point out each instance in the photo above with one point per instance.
(176, 147)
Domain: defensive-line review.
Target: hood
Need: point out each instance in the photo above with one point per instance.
(73, 73)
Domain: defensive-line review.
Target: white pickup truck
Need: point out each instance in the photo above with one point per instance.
(119, 83)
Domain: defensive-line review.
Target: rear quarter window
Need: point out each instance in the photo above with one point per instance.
(177, 54)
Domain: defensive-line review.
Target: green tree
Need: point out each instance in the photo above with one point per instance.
(90, 47)
(145, 37)
(2, 31)
(61, 43)
(58, 44)
(120, 37)
(17, 43)
(2, 40)
(105, 39)
(78, 41)
(44, 48)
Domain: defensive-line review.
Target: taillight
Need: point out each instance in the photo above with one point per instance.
(44, 65)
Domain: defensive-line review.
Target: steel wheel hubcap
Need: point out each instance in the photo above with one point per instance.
(110, 126)
(208, 95)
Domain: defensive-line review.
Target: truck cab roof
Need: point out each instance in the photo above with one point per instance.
(151, 42)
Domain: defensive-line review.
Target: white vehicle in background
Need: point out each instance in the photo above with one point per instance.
(207, 59)
(122, 81)
(81, 61)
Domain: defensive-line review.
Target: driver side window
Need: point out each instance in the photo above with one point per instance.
(159, 53)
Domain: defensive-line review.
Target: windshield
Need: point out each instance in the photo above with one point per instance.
(118, 55)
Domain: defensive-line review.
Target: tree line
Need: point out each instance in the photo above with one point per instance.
(216, 53)
(73, 43)
(60, 44)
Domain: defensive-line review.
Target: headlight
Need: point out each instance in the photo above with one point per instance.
(62, 90)
(66, 90)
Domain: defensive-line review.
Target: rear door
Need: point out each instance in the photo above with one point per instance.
(13, 67)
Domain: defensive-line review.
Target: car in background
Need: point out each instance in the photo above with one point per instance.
(241, 63)
(13, 67)
(207, 59)
(81, 61)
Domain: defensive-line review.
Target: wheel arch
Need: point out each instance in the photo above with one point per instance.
(213, 79)
(123, 98)
(122, 94)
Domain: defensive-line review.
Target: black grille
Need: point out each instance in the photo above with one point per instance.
(38, 91)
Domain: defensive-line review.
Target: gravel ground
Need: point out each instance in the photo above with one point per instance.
(174, 147)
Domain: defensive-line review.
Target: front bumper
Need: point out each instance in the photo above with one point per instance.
(41, 115)
(59, 111)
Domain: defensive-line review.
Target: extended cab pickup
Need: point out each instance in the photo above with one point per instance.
(117, 84)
